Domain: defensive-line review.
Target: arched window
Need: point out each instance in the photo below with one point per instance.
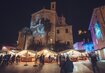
(68, 43)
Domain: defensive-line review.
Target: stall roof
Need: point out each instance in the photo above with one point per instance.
(47, 52)
(23, 53)
(72, 52)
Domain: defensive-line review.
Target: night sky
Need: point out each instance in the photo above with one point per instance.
(16, 14)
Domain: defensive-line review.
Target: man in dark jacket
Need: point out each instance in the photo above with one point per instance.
(68, 66)
(94, 62)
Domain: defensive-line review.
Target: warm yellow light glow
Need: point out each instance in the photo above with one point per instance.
(45, 51)
(73, 53)
(51, 40)
(4, 48)
(80, 32)
(21, 53)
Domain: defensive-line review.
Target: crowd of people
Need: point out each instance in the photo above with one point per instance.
(65, 63)
(67, 66)
(9, 59)
(41, 59)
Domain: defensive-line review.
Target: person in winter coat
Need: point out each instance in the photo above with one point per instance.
(94, 62)
(67, 66)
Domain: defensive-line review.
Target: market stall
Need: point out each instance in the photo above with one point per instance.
(74, 54)
(48, 53)
(26, 55)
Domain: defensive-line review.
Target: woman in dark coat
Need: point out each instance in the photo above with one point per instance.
(94, 62)
(67, 67)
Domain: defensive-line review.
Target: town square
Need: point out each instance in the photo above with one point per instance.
(52, 36)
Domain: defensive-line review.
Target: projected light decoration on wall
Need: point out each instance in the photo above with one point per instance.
(97, 30)
(37, 27)
(89, 47)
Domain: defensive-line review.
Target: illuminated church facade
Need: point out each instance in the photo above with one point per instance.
(97, 28)
(47, 28)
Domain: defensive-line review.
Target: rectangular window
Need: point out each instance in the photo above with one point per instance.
(66, 30)
(58, 31)
(53, 6)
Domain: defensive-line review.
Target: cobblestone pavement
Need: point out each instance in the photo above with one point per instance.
(54, 68)
(79, 67)
(101, 66)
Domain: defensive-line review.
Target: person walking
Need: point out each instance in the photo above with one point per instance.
(67, 66)
(1, 60)
(94, 60)
(49, 58)
(17, 59)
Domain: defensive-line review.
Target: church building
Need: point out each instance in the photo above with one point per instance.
(47, 28)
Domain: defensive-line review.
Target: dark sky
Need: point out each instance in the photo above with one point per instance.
(16, 14)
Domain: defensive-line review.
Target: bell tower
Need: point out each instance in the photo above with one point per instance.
(53, 5)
